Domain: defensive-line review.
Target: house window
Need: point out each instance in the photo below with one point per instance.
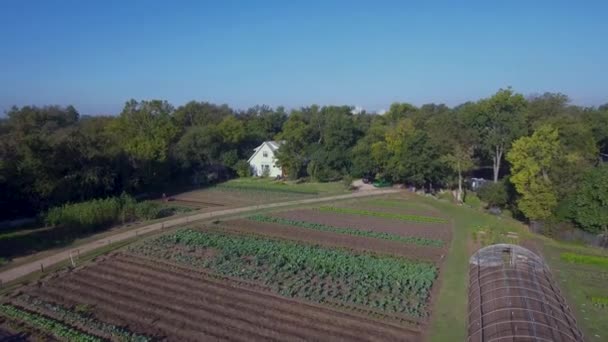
(265, 155)
(265, 167)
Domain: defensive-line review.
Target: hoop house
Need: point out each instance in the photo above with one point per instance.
(512, 297)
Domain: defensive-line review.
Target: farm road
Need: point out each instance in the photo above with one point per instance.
(34, 266)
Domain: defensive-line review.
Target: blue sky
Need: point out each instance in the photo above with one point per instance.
(98, 54)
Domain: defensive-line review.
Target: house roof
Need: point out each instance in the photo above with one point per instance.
(274, 145)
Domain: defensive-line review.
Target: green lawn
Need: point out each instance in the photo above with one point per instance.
(450, 310)
(584, 285)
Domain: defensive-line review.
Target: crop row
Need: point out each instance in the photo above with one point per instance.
(395, 203)
(349, 231)
(403, 217)
(585, 259)
(318, 274)
(82, 319)
(47, 325)
(266, 188)
(600, 301)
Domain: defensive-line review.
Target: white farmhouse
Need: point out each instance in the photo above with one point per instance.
(263, 158)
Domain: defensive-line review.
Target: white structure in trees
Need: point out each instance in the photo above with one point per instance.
(263, 161)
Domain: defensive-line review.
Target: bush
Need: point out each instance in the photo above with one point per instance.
(90, 215)
(347, 182)
(100, 213)
(243, 169)
(147, 210)
(495, 194)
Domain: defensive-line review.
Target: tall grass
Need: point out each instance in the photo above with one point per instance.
(100, 213)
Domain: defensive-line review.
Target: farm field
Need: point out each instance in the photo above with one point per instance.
(257, 278)
(249, 191)
(361, 269)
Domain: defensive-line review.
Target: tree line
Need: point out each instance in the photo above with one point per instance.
(543, 156)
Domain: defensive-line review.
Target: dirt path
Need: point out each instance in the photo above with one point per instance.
(34, 266)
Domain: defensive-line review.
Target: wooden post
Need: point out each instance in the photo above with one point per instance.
(41, 268)
(72, 260)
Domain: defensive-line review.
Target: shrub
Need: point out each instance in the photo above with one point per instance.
(243, 169)
(347, 182)
(147, 210)
(495, 194)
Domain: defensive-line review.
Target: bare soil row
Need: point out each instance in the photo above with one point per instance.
(398, 227)
(151, 297)
(330, 239)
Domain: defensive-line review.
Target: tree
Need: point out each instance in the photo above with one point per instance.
(590, 210)
(457, 138)
(531, 159)
(460, 160)
(499, 121)
(292, 154)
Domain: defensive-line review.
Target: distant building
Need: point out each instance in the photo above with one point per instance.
(477, 183)
(263, 160)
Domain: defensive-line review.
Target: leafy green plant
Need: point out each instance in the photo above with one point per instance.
(349, 231)
(403, 217)
(305, 271)
(585, 259)
(48, 325)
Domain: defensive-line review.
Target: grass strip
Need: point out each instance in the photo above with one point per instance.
(45, 324)
(348, 231)
(585, 259)
(403, 217)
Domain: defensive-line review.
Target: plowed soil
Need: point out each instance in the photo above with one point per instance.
(427, 230)
(410, 251)
(179, 304)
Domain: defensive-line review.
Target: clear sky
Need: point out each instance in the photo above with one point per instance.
(98, 54)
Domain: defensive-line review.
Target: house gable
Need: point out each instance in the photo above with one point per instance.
(263, 158)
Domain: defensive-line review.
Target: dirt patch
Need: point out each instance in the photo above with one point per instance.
(329, 239)
(431, 231)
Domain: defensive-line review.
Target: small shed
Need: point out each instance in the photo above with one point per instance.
(512, 297)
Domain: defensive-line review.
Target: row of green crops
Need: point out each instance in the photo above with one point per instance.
(389, 284)
(47, 325)
(585, 259)
(84, 319)
(395, 203)
(270, 187)
(601, 302)
(403, 217)
(349, 231)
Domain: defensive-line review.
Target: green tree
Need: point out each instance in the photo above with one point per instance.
(498, 122)
(531, 159)
(292, 156)
(590, 210)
